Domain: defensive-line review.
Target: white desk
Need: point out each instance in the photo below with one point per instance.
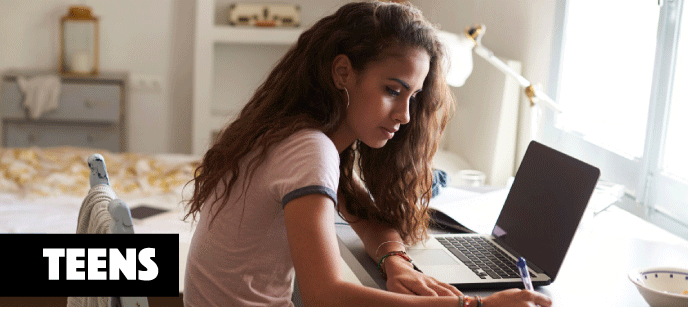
(618, 240)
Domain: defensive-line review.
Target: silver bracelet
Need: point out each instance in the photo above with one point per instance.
(377, 249)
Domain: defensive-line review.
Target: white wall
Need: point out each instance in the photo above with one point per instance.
(156, 38)
(150, 38)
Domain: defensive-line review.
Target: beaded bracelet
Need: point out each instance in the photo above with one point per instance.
(465, 301)
(379, 248)
(401, 254)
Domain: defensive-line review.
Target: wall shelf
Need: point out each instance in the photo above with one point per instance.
(253, 35)
(228, 63)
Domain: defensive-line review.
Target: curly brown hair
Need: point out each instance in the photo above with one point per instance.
(299, 93)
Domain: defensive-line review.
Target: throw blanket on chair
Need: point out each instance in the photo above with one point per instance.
(94, 218)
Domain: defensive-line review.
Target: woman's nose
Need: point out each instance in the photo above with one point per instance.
(401, 113)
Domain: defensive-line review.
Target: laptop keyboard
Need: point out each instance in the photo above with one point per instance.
(482, 257)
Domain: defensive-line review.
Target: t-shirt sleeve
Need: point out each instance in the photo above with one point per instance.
(305, 163)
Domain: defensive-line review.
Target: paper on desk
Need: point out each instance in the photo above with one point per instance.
(605, 194)
(476, 211)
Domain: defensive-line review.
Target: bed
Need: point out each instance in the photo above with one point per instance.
(41, 190)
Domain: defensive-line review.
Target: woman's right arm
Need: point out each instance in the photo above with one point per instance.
(314, 248)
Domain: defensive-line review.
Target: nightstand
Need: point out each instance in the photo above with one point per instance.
(90, 113)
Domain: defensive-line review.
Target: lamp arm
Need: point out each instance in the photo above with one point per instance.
(549, 102)
(529, 88)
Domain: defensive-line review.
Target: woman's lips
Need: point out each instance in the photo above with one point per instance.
(389, 133)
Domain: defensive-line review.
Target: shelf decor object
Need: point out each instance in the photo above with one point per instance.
(79, 42)
(264, 15)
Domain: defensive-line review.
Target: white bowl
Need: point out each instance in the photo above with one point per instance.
(662, 286)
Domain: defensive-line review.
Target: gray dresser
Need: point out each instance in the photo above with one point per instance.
(90, 113)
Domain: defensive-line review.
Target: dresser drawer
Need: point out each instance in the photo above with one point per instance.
(26, 134)
(78, 101)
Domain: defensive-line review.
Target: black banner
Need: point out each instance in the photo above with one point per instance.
(89, 265)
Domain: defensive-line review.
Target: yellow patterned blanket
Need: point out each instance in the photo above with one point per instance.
(45, 172)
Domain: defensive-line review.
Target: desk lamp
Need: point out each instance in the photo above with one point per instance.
(460, 65)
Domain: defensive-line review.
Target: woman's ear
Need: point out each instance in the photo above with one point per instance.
(342, 71)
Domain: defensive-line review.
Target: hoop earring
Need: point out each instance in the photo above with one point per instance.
(348, 98)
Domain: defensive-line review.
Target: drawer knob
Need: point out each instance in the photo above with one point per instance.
(89, 139)
(88, 104)
(31, 138)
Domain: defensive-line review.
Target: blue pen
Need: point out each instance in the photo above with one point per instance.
(524, 274)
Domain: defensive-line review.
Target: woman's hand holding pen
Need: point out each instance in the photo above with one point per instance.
(517, 298)
(402, 278)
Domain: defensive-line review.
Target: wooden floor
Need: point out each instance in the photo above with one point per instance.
(62, 301)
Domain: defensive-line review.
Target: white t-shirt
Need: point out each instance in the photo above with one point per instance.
(243, 259)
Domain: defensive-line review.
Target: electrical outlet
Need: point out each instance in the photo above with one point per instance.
(141, 82)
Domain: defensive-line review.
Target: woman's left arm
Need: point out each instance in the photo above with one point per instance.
(380, 239)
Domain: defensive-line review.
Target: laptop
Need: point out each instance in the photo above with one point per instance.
(538, 222)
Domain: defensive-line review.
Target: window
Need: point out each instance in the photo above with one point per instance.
(623, 82)
(676, 160)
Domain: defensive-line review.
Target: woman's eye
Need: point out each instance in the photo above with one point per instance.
(392, 92)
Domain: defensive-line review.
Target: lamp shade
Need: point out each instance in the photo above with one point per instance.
(458, 62)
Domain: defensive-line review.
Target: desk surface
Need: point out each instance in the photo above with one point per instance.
(605, 248)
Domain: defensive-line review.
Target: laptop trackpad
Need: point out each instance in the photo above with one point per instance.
(431, 257)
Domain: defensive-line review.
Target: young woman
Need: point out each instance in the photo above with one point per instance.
(347, 121)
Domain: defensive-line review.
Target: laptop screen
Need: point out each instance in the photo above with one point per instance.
(544, 206)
